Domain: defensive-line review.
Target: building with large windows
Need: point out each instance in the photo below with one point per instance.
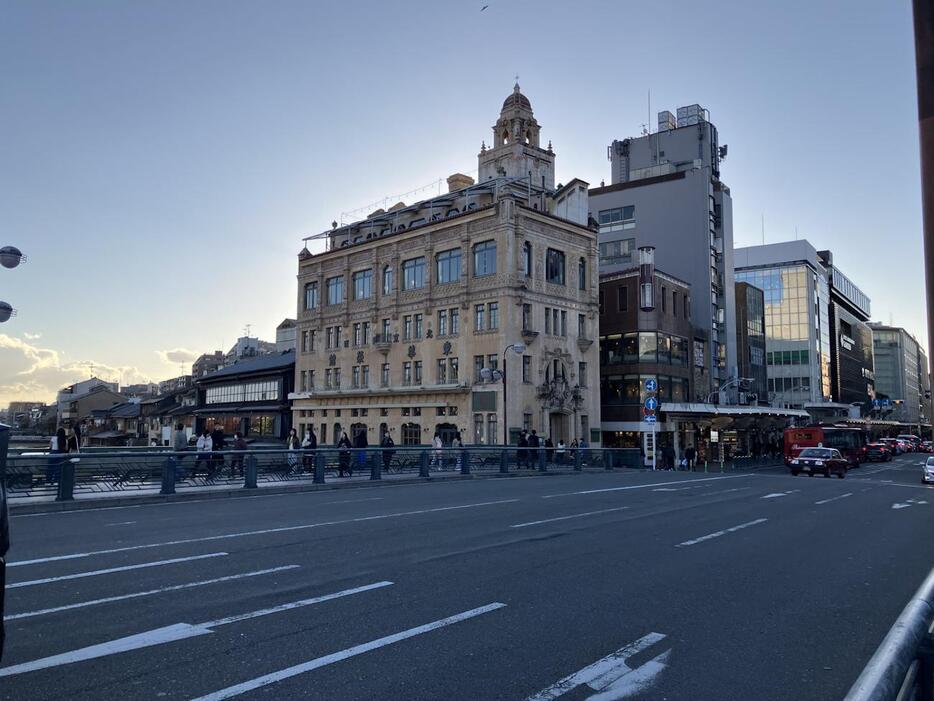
(903, 383)
(402, 313)
(818, 343)
(666, 192)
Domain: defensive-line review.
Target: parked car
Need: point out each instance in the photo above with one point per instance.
(905, 446)
(826, 461)
(927, 471)
(878, 452)
(892, 444)
(912, 440)
(927, 447)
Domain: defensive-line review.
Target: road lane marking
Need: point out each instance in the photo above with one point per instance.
(840, 496)
(265, 531)
(777, 495)
(121, 523)
(610, 676)
(168, 634)
(111, 570)
(565, 518)
(907, 503)
(643, 486)
(717, 534)
(136, 595)
(347, 653)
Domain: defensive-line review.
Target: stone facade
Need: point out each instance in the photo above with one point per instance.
(427, 295)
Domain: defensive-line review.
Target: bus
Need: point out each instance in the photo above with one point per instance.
(850, 441)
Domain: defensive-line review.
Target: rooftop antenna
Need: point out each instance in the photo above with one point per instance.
(246, 330)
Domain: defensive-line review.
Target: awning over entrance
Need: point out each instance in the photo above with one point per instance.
(697, 410)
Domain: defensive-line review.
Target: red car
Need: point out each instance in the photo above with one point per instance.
(826, 461)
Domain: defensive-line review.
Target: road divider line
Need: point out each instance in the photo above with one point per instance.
(565, 518)
(111, 570)
(605, 674)
(643, 486)
(839, 496)
(717, 534)
(137, 595)
(168, 634)
(265, 531)
(345, 654)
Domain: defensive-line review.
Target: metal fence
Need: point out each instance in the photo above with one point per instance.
(65, 476)
(902, 668)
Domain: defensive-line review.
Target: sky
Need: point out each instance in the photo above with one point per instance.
(160, 163)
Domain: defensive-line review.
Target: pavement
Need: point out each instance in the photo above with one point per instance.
(621, 585)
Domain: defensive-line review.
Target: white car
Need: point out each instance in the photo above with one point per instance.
(927, 471)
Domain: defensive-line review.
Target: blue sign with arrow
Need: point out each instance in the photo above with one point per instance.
(650, 419)
(651, 385)
(651, 403)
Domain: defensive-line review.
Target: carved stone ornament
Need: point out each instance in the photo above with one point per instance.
(332, 360)
(411, 352)
(446, 348)
(359, 357)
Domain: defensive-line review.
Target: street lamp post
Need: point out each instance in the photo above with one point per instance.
(10, 257)
(490, 374)
(727, 386)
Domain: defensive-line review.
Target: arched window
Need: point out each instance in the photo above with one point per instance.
(526, 262)
(582, 274)
(387, 280)
(484, 258)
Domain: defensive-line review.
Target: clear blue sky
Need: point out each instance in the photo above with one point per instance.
(160, 162)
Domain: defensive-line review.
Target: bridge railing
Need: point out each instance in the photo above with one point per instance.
(62, 476)
(902, 668)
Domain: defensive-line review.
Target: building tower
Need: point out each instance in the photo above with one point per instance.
(516, 151)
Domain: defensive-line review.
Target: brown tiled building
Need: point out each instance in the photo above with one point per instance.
(637, 345)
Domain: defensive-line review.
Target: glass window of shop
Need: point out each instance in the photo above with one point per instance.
(648, 347)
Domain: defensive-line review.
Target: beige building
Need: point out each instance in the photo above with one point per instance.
(405, 314)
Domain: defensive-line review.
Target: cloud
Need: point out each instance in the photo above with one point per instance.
(32, 336)
(31, 373)
(177, 355)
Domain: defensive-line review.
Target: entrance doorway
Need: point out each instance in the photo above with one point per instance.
(447, 432)
(355, 431)
(558, 429)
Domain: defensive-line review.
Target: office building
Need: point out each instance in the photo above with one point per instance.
(818, 344)
(902, 376)
(666, 192)
(408, 318)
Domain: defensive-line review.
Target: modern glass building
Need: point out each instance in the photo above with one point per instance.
(797, 323)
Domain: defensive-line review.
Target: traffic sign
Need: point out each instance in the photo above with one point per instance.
(650, 418)
(651, 403)
(651, 385)
(646, 411)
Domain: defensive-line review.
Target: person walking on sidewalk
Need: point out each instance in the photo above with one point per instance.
(343, 455)
(204, 446)
(309, 446)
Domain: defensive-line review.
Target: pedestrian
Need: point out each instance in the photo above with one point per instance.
(73, 441)
(549, 450)
(583, 448)
(534, 442)
(560, 451)
(236, 460)
(523, 450)
(690, 454)
(669, 455)
(53, 471)
(293, 444)
(179, 445)
(309, 446)
(361, 444)
(343, 455)
(457, 444)
(218, 443)
(438, 451)
(204, 446)
(386, 444)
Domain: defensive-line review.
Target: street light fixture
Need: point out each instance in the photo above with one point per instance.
(10, 257)
(488, 374)
(729, 384)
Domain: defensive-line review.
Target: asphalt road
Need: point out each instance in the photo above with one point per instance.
(596, 586)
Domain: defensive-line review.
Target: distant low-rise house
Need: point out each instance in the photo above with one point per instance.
(73, 409)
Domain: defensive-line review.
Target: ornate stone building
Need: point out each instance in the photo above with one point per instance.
(404, 314)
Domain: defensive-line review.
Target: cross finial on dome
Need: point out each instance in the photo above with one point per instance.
(516, 86)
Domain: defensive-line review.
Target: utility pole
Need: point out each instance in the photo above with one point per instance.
(924, 63)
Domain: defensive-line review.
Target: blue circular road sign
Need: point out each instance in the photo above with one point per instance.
(651, 403)
(651, 385)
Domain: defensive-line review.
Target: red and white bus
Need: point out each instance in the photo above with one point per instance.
(851, 442)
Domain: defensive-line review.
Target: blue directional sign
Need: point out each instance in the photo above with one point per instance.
(651, 385)
(650, 419)
(651, 403)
